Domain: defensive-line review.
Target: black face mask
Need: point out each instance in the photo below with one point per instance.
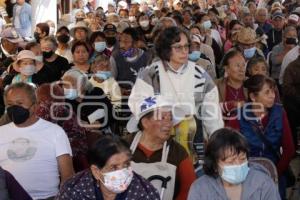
(78, 19)
(111, 41)
(36, 36)
(290, 41)
(63, 38)
(17, 114)
(47, 54)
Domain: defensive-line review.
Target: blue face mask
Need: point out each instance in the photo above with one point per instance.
(70, 94)
(103, 75)
(129, 53)
(249, 53)
(207, 24)
(235, 174)
(100, 46)
(194, 56)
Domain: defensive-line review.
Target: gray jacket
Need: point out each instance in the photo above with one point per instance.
(257, 186)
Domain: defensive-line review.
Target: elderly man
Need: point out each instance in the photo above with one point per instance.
(275, 34)
(155, 152)
(246, 44)
(261, 17)
(36, 152)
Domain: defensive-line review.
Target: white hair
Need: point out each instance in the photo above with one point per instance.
(80, 78)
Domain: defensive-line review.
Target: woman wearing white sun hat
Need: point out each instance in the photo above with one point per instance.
(155, 153)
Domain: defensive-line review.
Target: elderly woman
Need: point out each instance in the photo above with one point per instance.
(80, 32)
(173, 75)
(26, 70)
(201, 59)
(155, 152)
(102, 78)
(266, 119)
(89, 103)
(231, 91)
(228, 175)
(110, 176)
(99, 46)
(80, 52)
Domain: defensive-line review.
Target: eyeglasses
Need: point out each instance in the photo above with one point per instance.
(180, 48)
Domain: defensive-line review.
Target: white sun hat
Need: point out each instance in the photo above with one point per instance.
(153, 103)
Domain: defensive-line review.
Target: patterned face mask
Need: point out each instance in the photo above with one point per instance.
(118, 181)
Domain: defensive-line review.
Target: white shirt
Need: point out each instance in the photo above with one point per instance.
(17, 23)
(288, 58)
(30, 153)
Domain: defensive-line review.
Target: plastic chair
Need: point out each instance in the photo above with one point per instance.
(267, 164)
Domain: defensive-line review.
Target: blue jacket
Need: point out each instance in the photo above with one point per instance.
(25, 15)
(273, 132)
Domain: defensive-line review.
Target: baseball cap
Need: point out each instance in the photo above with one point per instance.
(11, 35)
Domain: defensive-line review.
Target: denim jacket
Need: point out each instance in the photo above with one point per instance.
(25, 15)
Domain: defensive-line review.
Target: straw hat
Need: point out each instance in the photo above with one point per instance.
(247, 36)
(80, 24)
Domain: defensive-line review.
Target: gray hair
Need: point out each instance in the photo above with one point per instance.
(27, 88)
(81, 79)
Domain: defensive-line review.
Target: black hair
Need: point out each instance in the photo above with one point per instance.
(214, 10)
(44, 27)
(252, 62)
(31, 45)
(255, 84)
(104, 148)
(220, 141)
(95, 35)
(148, 116)
(79, 43)
(177, 16)
(132, 32)
(141, 15)
(228, 56)
(165, 40)
(63, 28)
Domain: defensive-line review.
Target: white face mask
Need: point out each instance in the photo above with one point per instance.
(118, 181)
(13, 1)
(131, 18)
(27, 70)
(51, 31)
(71, 93)
(39, 58)
(144, 23)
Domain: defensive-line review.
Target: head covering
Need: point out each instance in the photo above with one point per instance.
(278, 14)
(80, 24)
(11, 35)
(110, 27)
(123, 24)
(296, 11)
(153, 103)
(293, 17)
(23, 55)
(247, 36)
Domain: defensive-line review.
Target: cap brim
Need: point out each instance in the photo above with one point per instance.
(19, 40)
(178, 115)
(72, 31)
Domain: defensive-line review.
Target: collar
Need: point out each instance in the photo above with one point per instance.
(181, 70)
(5, 52)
